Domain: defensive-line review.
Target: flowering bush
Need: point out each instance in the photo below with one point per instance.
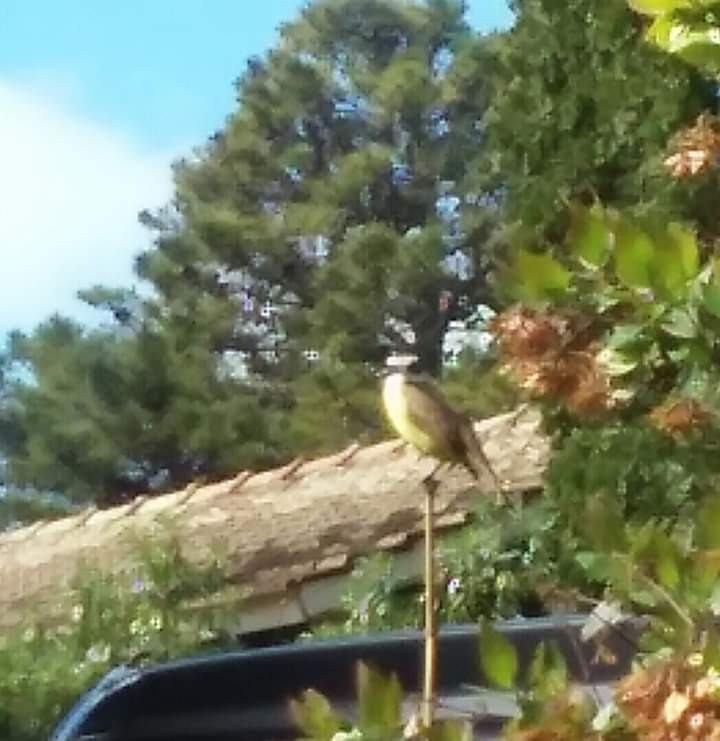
(156, 612)
(505, 563)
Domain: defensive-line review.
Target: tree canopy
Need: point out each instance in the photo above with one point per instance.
(355, 202)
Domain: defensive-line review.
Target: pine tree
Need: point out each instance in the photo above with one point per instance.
(107, 415)
(320, 228)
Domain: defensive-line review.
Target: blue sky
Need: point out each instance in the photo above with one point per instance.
(96, 99)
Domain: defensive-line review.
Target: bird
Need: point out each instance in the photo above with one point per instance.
(422, 417)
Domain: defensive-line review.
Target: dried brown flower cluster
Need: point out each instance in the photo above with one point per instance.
(672, 701)
(679, 416)
(695, 149)
(545, 355)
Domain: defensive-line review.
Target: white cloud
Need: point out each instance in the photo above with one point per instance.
(70, 191)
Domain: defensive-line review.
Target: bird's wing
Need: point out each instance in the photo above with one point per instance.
(429, 410)
(476, 459)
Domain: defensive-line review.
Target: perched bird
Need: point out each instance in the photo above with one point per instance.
(423, 417)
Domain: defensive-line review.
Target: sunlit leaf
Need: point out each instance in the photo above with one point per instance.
(711, 299)
(641, 538)
(597, 565)
(708, 524)
(379, 699)
(667, 562)
(698, 45)
(498, 657)
(685, 241)
(541, 276)
(711, 654)
(659, 30)
(681, 323)
(548, 673)
(657, 7)
(624, 335)
(614, 363)
(589, 237)
(314, 716)
(675, 261)
(703, 577)
(634, 253)
(645, 598)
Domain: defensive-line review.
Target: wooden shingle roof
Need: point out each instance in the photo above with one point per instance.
(282, 530)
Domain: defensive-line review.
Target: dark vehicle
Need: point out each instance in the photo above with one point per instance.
(244, 695)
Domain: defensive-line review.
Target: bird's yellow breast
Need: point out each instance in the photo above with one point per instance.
(396, 407)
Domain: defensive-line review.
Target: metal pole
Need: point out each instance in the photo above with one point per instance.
(428, 705)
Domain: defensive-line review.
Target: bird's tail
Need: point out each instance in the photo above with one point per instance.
(476, 460)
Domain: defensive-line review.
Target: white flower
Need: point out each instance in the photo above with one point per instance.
(98, 654)
(605, 717)
(156, 621)
(77, 613)
(454, 586)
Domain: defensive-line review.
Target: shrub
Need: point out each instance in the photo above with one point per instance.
(161, 610)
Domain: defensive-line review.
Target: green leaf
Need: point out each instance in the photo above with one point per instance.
(605, 567)
(314, 716)
(711, 654)
(548, 673)
(685, 242)
(625, 334)
(657, 7)
(379, 699)
(634, 253)
(681, 323)
(708, 524)
(603, 523)
(667, 568)
(711, 299)
(589, 237)
(498, 657)
(615, 363)
(645, 598)
(675, 261)
(697, 44)
(540, 276)
(641, 539)
(703, 577)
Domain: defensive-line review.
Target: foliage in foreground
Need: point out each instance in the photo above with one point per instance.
(379, 717)
(156, 612)
(670, 575)
(501, 565)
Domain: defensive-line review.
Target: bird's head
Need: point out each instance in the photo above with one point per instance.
(396, 363)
